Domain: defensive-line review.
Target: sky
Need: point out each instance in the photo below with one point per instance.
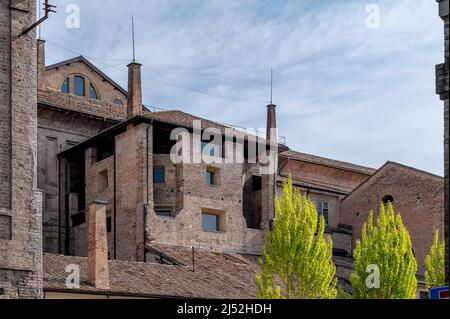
(346, 86)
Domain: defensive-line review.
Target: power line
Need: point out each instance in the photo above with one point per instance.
(172, 82)
(85, 55)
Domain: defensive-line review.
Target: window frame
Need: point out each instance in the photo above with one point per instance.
(94, 90)
(215, 173)
(66, 82)
(155, 168)
(75, 77)
(160, 210)
(323, 208)
(118, 100)
(217, 222)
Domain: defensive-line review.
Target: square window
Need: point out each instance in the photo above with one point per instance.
(210, 222)
(159, 175)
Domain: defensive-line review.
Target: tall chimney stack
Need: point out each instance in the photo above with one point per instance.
(269, 179)
(272, 123)
(134, 105)
(98, 267)
(41, 64)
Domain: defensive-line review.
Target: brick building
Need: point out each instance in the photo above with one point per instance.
(417, 195)
(20, 202)
(97, 143)
(442, 88)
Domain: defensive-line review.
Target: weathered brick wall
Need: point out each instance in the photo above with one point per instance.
(56, 131)
(53, 79)
(131, 191)
(82, 104)
(5, 105)
(418, 197)
(20, 255)
(442, 88)
(337, 179)
(225, 198)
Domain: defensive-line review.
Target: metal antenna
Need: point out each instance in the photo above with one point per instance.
(132, 34)
(40, 16)
(271, 86)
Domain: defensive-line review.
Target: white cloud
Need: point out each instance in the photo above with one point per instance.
(344, 91)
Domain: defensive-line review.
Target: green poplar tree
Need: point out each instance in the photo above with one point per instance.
(297, 260)
(385, 266)
(435, 263)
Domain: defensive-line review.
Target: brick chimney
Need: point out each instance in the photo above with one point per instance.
(269, 180)
(271, 122)
(98, 267)
(134, 105)
(41, 64)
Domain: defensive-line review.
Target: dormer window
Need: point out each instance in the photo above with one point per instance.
(118, 102)
(79, 88)
(92, 92)
(65, 86)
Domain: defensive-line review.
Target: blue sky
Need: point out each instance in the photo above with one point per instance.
(343, 90)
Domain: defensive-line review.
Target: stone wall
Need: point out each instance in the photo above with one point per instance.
(20, 202)
(418, 197)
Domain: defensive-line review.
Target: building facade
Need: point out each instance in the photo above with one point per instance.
(442, 88)
(20, 201)
(71, 131)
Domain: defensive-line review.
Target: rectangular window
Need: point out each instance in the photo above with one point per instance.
(210, 178)
(108, 224)
(257, 183)
(164, 212)
(159, 175)
(79, 88)
(322, 209)
(210, 222)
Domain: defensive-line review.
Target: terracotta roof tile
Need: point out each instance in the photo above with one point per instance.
(215, 276)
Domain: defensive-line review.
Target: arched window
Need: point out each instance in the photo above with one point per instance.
(79, 88)
(65, 86)
(388, 199)
(92, 92)
(118, 102)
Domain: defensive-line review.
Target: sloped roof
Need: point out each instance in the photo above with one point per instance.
(328, 162)
(216, 275)
(90, 65)
(219, 275)
(388, 164)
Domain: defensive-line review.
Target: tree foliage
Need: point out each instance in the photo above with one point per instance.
(385, 266)
(297, 259)
(435, 263)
